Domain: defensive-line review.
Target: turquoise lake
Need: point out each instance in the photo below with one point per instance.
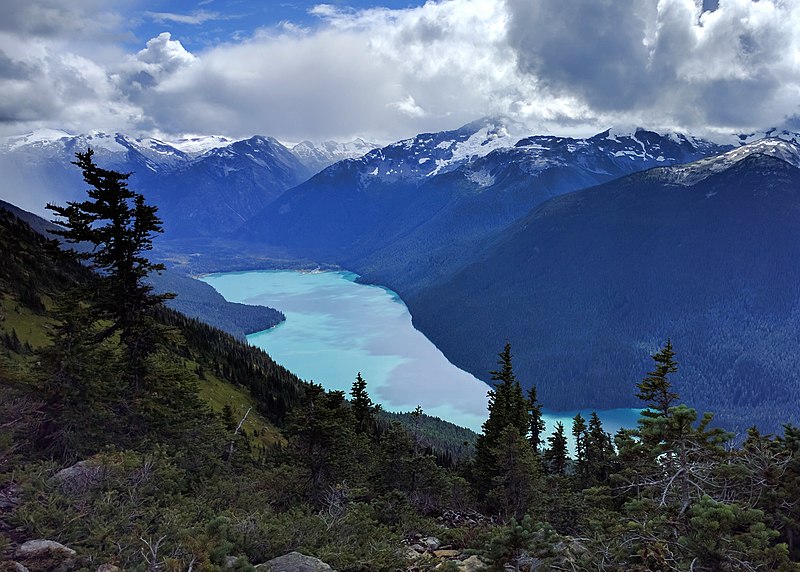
(336, 328)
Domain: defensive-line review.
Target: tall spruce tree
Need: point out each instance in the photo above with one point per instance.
(362, 405)
(656, 389)
(507, 408)
(555, 457)
(535, 420)
(119, 226)
(580, 436)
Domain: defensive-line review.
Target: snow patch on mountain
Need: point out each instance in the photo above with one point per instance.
(37, 137)
(317, 156)
(199, 144)
(695, 172)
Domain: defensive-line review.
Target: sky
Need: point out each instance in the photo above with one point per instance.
(388, 69)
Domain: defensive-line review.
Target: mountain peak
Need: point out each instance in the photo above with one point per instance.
(44, 135)
(691, 173)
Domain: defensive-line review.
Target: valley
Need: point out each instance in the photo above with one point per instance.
(336, 327)
(585, 253)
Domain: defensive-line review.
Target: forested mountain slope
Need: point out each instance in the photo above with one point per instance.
(413, 212)
(591, 282)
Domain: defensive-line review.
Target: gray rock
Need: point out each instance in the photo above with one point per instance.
(80, 477)
(431, 542)
(38, 548)
(418, 548)
(472, 564)
(10, 497)
(230, 562)
(109, 568)
(294, 562)
(20, 568)
(46, 556)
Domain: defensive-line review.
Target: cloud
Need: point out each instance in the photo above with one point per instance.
(380, 73)
(698, 65)
(667, 61)
(75, 19)
(408, 106)
(195, 18)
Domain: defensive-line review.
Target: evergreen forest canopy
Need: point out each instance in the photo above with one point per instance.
(197, 451)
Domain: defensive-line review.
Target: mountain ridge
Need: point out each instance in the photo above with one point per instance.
(590, 283)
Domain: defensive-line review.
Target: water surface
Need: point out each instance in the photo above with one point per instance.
(336, 328)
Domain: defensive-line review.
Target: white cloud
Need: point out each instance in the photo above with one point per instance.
(195, 18)
(387, 74)
(408, 106)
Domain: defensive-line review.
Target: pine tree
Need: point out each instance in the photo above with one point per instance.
(555, 457)
(655, 389)
(507, 408)
(579, 434)
(599, 450)
(362, 405)
(119, 226)
(535, 420)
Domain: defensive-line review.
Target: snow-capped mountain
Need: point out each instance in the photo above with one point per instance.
(219, 190)
(202, 184)
(773, 133)
(691, 173)
(115, 149)
(426, 203)
(199, 144)
(317, 156)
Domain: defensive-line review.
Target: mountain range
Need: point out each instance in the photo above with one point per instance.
(413, 212)
(589, 284)
(585, 253)
(202, 185)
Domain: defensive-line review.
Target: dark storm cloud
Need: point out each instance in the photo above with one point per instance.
(595, 49)
(10, 69)
(731, 63)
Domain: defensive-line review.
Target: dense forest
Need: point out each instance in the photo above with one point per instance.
(611, 271)
(143, 440)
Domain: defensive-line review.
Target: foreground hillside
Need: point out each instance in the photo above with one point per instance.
(220, 459)
(591, 282)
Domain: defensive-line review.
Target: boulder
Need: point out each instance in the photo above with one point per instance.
(46, 555)
(17, 567)
(294, 562)
(80, 477)
(472, 564)
(418, 548)
(446, 553)
(431, 542)
(230, 562)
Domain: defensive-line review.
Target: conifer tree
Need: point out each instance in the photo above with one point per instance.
(507, 407)
(362, 405)
(555, 457)
(599, 450)
(579, 434)
(655, 389)
(535, 420)
(119, 226)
